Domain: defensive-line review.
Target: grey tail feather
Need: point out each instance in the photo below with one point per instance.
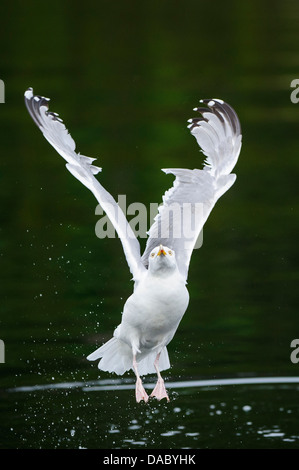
(116, 356)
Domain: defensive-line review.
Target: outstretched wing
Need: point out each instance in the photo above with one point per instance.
(187, 205)
(83, 169)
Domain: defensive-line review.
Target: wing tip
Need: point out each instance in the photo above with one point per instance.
(218, 126)
(222, 110)
(79, 165)
(28, 93)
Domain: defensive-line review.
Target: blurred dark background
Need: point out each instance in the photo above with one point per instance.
(125, 76)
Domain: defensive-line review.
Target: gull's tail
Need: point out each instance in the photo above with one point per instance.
(116, 356)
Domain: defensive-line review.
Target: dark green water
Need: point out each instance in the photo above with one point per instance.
(125, 77)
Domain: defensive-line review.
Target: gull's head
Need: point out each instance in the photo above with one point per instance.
(162, 260)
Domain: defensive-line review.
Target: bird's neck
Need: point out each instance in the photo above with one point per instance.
(163, 271)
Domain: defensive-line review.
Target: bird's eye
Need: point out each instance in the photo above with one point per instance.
(152, 255)
(170, 252)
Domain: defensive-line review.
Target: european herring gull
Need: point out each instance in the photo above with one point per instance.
(152, 313)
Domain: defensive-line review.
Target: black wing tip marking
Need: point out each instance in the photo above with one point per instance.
(221, 109)
(34, 103)
(38, 99)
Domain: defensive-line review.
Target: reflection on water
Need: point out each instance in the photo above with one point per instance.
(226, 413)
(118, 384)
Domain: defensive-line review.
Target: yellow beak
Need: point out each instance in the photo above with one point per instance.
(161, 251)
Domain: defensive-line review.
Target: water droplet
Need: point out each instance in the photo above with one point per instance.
(246, 408)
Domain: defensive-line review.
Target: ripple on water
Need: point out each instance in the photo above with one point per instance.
(240, 413)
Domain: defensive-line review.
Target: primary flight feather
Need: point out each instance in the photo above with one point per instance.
(160, 298)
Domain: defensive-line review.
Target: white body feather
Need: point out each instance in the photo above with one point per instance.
(150, 319)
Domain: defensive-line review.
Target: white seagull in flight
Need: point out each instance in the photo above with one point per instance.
(151, 315)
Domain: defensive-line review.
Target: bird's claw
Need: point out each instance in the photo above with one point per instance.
(159, 391)
(140, 392)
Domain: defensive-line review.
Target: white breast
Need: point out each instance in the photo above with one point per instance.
(152, 313)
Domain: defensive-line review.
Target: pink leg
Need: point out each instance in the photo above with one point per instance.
(159, 391)
(139, 391)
